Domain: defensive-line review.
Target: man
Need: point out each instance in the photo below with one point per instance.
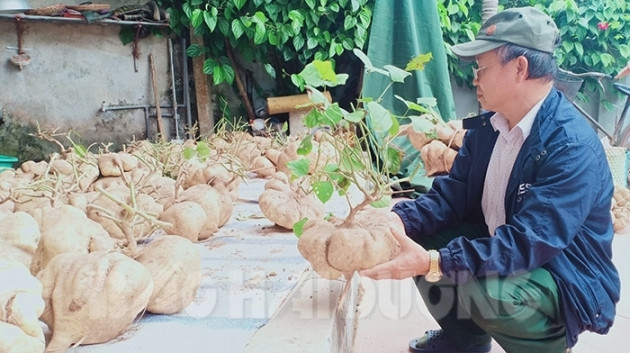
(515, 243)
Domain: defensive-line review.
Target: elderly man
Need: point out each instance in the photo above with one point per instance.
(515, 243)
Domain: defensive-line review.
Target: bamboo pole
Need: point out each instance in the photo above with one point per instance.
(156, 95)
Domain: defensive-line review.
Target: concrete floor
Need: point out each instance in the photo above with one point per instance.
(392, 312)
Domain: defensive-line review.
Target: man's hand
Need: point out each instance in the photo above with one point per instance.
(412, 260)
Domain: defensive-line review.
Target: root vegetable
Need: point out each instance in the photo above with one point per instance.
(21, 304)
(350, 246)
(437, 158)
(187, 219)
(209, 199)
(313, 245)
(451, 133)
(620, 207)
(67, 229)
(114, 164)
(262, 166)
(92, 298)
(19, 236)
(61, 166)
(418, 139)
(285, 204)
(175, 267)
(89, 173)
(273, 154)
(213, 172)
(35, 168)
(122, 223)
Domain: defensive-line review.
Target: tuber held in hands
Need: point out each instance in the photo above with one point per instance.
(354, 245)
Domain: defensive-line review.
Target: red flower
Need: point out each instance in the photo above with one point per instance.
(603, 26)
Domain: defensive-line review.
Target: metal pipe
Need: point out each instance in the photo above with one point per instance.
(175, 116)
(69, 19)
(105, 107)
(186, 89)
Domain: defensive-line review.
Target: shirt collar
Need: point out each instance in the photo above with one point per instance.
(499, 121)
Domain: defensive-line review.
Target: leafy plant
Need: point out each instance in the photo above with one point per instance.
(362, 138)
(278, 34)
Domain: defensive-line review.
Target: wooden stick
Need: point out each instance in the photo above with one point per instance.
(156, 95)
(239, 82)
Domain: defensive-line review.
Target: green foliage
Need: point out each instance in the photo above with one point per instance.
(278, 34)
(593, 33)
(370, 124)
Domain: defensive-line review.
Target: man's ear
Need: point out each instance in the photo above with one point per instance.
(522, 67)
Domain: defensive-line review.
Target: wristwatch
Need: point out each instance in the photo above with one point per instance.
(435, 274)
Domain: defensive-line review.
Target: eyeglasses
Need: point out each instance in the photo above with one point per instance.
(477, 70)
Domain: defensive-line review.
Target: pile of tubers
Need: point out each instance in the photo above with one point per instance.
(80, 245)
(620, 208)
(438, 146)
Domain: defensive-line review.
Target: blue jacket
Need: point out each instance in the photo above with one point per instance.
(557, 207)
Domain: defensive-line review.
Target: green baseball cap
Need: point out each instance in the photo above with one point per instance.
(524, 26)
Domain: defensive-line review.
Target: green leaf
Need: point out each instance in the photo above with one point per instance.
(194, 50)
(356, 116)
(239, 3)
(393, 160)
(323, 190)
(298, 227)
(567, 46)
(364, 58)
(209, 65)
(384, 201)
(273, 38)
(380, 119)
(298, 42)
(355, 5)
(270, 70)
(412, 105)
(259, 36)
(299, 168)
(316, 73)
(316, 96)
(311, 3)
(333, 115)
(427, 101)
(203, 150)
(311, 43)
(296, 16)
(237, 28)
(365, 16)
(311, 120)
(197, 18)
(349, 22)
(306, 146)
(80, 150)
(419, 62)
(396, 74)
(188, 153)
(210, 18)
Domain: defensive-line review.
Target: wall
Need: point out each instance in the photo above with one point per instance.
(75, 68)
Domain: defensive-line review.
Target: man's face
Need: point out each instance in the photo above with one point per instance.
(493, 81)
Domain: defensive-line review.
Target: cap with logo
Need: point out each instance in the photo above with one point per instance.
(524, 26)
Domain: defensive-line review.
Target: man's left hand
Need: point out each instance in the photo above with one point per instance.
(413, 260)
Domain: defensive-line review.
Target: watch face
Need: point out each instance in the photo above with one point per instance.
(432, 277)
